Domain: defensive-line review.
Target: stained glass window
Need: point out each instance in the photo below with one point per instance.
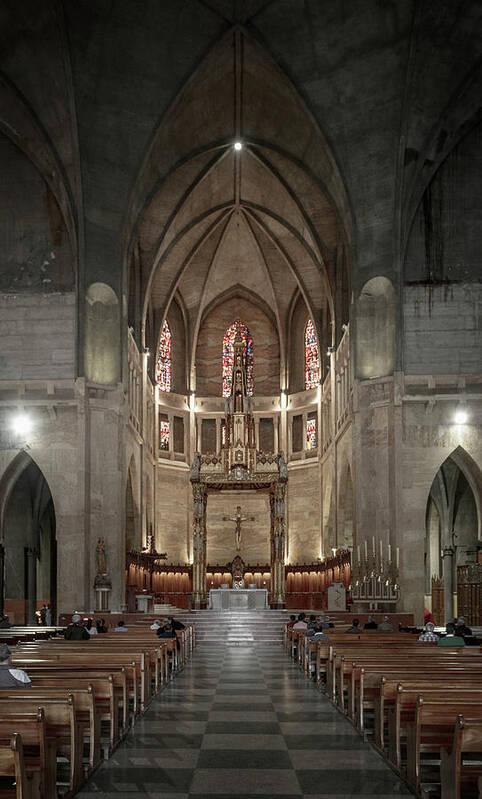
(164, 436)
(228, 356)
(312, 357)
(163, 368)
(311, 434)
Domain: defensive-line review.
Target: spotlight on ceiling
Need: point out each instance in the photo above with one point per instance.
(21, 424)
(460, 416)
(238, 145)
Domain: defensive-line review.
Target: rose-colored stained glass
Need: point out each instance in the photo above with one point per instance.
(164, 367)
(311, 434)
(228, 356)
(312, 357)
(164, 435)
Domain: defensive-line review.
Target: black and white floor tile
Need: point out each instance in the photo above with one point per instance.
(242, 722)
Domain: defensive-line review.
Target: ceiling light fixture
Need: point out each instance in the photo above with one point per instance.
(238, 146)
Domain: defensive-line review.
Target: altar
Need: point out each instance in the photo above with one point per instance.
(238, 599)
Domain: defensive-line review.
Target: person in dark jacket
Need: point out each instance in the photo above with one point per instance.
(176, 625)
(10, 677)
(4, 622)
(75, 631)
(371, 624)
(101, 626)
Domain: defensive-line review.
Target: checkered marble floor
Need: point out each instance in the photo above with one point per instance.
(243, 722)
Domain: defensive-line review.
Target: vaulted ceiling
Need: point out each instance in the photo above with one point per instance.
(270, 219)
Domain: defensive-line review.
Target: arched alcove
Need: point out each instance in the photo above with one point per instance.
(375, 329)
(28, 535)
(102, 334)
(452, 537)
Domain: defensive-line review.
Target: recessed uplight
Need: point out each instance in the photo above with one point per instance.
(22, 424)
(238, 146)
(460, 416)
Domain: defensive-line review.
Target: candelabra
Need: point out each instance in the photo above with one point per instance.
(373, 577)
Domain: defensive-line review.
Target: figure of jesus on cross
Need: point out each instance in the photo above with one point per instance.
(238, 518)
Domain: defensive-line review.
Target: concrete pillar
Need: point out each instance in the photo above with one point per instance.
(448, 575)
(31, 585)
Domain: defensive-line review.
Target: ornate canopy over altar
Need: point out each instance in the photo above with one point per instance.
(239, 466)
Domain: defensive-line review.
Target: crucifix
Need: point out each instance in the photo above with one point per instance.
(238, 518)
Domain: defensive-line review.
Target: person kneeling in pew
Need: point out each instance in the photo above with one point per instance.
(11, 677)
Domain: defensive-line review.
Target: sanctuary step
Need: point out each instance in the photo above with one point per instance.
(236, 627)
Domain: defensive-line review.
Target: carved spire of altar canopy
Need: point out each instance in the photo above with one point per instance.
(240, 446)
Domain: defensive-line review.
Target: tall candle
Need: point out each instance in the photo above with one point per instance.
(389, 553)
(366, 550)
(381, 549)
(398, 557)
(358, 548)
(373, 542)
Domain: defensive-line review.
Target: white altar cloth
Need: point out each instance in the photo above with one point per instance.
(238, 598)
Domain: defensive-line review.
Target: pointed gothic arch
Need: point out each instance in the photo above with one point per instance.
(28, 561)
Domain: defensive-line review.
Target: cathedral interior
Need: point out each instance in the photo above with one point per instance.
(240, 299)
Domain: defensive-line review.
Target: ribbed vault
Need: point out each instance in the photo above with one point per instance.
(270, 219)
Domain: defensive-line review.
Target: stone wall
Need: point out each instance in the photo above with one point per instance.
(37, 336)
(304, 513)
(442, 328)
(221, 547)
(173, 512)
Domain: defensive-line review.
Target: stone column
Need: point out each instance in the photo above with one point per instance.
(31, 585)
(448, 576)
(278, 536)
(199, 545)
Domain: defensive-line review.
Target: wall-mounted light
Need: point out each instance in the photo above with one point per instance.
(461, 416)
(334, 550)
(344, 327)
(22, 424)
(238, 146)
(283, 400)
(147, 351)
(192, 402)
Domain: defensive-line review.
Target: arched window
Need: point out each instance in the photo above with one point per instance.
(312, 357)
(164, 368)
(228, 356)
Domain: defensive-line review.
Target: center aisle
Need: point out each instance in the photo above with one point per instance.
(243, 721)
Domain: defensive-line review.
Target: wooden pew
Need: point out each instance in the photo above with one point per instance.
(12, 765)
(433, 729)
(456, 776)
(62, 730)
(39, 758)
(387, 691)
(86, 710)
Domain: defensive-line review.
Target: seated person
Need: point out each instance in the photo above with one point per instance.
(450, 638)
(90, 627)
(318, 634)
(121, 628)
(355, 628)
(292, 620)
(386, 625)
(312, 623)
(300, 624)
(4, 622)
(76, 631)
(165, 630)
(461, 627)
(101, 626)
(156, 624)
(371, 624)
(427, 616)
(176, 625)
(429, 636)
(10, 677)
